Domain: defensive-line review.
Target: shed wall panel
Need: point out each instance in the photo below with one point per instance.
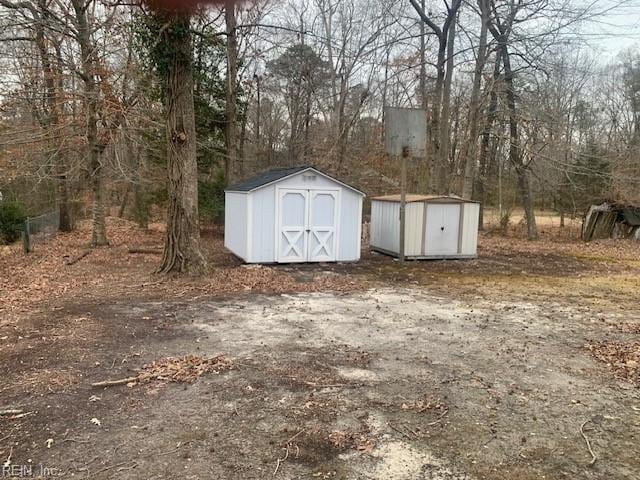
(235, 221)
(385, 227)
(263, 225)
(349, 232)
(470, 229)
(413, 229)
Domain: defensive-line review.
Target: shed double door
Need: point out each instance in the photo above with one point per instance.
(307, 225)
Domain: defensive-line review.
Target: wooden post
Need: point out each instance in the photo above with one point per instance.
(403, 201)
(26, 237)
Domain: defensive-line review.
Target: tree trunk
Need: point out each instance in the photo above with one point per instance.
(445, 116)
(306, 151)
(515, 151)
(385, 84)
(52, 90)
(342, 121)
(140, 208)
(182, 239)
(424, 179)
(125, 200)
(231, 130)
(64, 183)
(433, 150)
(241, 148)
(99, 232)
(469, 150)
(95, 150)
(487, 157)
(423, 62)
(438, 146)
(258, 116)
(64, 208)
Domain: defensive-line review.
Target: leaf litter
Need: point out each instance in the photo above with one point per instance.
(623, 359)
(185, 369)
(113, 272)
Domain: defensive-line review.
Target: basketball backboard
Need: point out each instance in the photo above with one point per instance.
(405, 128)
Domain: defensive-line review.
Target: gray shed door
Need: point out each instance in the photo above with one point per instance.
(442, 229)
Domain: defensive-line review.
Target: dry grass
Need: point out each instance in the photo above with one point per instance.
(545, 219)
(47, 381)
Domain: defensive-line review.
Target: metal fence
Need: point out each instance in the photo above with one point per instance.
(40, 229)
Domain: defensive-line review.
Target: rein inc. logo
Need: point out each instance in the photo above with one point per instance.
(28, 471)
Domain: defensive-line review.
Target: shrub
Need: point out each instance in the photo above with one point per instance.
(12, 217)
(211, 199)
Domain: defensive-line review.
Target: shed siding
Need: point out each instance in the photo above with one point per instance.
(385, 227)
(310, 180)
(263, 219)
(413, 229)
(349, 226)
(235, 220)
(470, 229)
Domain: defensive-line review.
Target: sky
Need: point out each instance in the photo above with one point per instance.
(616, 30)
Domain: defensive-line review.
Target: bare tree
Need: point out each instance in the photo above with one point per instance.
(440, 109)
(501, 29)
(232, 141)
(87, 72)
(470, 147)
(41, 18)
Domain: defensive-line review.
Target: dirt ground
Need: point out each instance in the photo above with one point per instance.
(511, 366)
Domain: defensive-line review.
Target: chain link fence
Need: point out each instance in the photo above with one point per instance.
(40, 229)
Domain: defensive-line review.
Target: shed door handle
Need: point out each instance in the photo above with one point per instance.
(442, 228)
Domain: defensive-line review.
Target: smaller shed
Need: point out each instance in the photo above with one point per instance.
(611, 220)
(290, 215)
(436, 227)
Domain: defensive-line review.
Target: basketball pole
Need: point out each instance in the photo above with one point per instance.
(403, 201)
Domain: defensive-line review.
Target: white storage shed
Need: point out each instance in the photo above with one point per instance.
(436, 227)
(289, 215)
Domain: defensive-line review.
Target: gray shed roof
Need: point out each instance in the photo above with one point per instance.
(264, 178)
(273, 175)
